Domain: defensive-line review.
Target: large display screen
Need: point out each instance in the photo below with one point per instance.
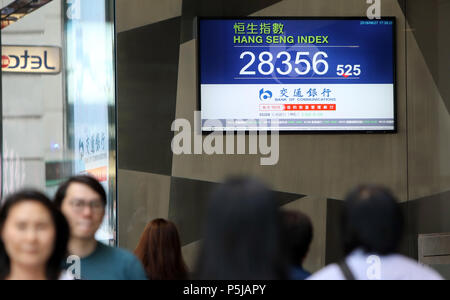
(308, 74)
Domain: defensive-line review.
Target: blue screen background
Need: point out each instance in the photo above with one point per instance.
(220, 61)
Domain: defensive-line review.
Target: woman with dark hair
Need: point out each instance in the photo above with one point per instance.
(242, 238)
(159, 250)
(297, 234)
(34, 237)
(372, 229)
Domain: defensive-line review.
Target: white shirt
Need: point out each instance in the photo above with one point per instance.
(65, 276)
(371, 267)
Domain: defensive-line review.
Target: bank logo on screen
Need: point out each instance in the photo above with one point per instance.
(265, 95)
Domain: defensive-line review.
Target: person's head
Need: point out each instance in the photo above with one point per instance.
(297, 234)
(372, 221)
(242, 234)
(82, 199)
(34, 235)
(160, 251)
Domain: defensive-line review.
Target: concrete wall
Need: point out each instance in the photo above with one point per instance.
(157, 83)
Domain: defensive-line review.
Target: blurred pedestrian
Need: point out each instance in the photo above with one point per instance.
(34, 237)
(159, 250)
(372, 227)
(82, 200)
(297, 235)
(242, 238)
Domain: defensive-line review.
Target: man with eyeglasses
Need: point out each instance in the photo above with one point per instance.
(82, 200)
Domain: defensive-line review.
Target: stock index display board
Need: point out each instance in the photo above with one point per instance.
(314, 74)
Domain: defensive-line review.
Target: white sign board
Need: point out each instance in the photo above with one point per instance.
(31, 59)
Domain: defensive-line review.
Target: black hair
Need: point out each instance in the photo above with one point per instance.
(372, 221)
(297, 235)
(55, 263)
(82, 179)
(242, 235)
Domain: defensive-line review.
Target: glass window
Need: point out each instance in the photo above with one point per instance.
(58, 98)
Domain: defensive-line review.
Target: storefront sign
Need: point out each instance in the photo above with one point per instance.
(31, 59)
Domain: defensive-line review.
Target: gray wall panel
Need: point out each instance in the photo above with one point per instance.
(147, 85)
(158, 83)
